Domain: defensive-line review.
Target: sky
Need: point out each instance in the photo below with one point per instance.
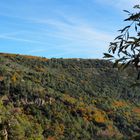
(61, 28)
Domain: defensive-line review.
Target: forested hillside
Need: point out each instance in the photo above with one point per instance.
(67, 99)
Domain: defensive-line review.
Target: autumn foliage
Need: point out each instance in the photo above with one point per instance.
(66, 99)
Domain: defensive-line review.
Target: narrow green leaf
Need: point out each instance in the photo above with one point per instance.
(106, 55)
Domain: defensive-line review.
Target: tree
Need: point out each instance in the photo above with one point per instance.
(125, 49)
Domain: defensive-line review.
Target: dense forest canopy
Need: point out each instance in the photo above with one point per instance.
(64, 99)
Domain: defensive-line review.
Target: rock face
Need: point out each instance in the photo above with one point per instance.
(39, 101)
(5, 134)
(49, 100)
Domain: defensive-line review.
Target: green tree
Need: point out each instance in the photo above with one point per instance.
(125, 49)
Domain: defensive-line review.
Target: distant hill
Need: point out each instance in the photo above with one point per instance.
(67, 99)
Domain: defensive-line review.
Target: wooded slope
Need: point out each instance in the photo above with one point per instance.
(65, 99)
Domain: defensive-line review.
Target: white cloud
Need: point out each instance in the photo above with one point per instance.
(75, 30)
(122, 4)
(9, 36)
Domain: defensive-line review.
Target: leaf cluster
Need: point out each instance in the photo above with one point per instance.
(127, 45)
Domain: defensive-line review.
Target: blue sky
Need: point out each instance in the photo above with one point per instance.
(60, 28)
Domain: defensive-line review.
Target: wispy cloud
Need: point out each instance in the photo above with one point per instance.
(121, 4)
(9, 37)
(76, 31)
(14, 36)
(59, 34)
